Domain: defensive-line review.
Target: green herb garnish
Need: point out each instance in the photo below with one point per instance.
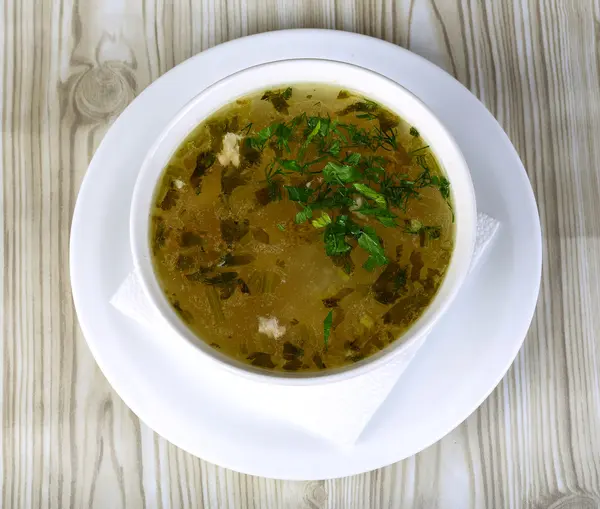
(335, 236)
(352, 158)
(385, 139)
(303, 215)
(371, 194)
(300, 194)
(385, 216)
(322, 222)
(316, 130)
(398, 190)
(367, 116)
(342, 174)
(273, 183)
(444, 187)
(291, 165)
(369, 241)
(420, 149)
(260, 139)
(327, 324)
(342, 180)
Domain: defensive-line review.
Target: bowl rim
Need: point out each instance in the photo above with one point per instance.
(140, 218)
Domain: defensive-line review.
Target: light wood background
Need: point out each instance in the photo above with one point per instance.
(68, 67)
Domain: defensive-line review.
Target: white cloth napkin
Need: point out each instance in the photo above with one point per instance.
(336, 411)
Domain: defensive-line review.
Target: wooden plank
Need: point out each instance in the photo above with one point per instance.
(67, 70)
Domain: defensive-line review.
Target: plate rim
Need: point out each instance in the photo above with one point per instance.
(87, 182)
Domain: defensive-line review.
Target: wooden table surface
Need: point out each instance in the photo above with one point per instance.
(70, 66)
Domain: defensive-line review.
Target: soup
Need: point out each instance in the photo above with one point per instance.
(301, 229)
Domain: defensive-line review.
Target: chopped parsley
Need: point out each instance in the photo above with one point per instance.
(371, 194)
(335, 235)
(301, 194)
(303, 215)
(338, 181)
(322, 222)
(369, 241)
(327, 324)
(385, 216)
(335, 173)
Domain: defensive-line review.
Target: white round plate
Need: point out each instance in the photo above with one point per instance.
(462, 361)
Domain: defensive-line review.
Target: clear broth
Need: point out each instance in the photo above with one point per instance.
(250, 278)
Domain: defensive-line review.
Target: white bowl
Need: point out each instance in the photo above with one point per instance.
(291, 72)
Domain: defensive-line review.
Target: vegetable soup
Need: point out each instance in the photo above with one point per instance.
(302, 229)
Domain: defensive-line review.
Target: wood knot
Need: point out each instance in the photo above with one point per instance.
(103, 91)
(576, 502)
(315, 494)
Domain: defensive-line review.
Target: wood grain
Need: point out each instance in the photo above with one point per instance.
(69, 67)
